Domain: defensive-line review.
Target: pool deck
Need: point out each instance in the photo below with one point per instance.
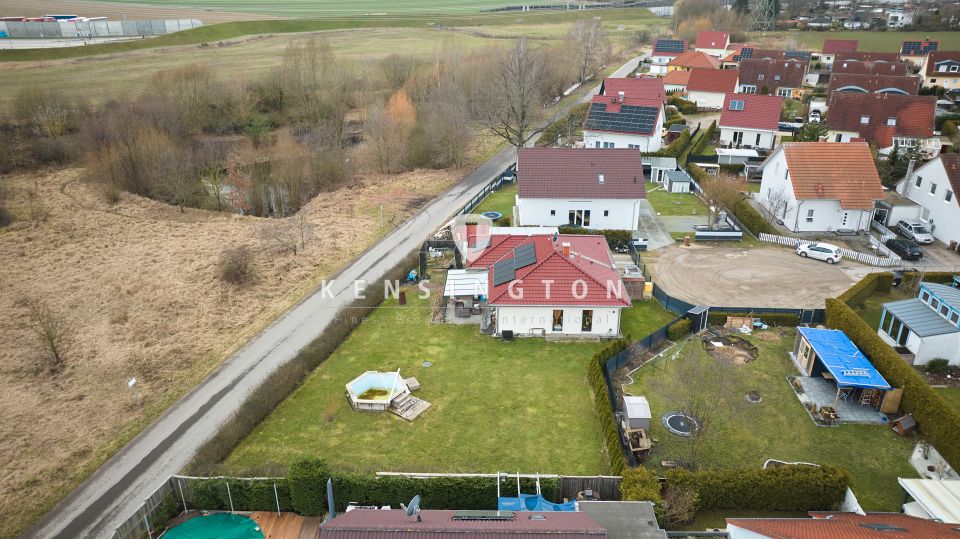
(286, 525)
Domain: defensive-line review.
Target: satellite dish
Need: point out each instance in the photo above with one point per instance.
(414, 507)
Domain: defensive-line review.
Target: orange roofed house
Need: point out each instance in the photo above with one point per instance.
(886, 120)
(692, 60)
(821, 186)
(708, 87)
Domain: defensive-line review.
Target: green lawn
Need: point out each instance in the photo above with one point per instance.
(501, 201)
(743, 434)
(871, 309)
(644, 318)
(674, 203)
(952, 396)
(869, 41)
(792, 109)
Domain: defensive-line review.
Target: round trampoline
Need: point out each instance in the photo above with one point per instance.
(217, 525)
(492, 215)
(679, 423)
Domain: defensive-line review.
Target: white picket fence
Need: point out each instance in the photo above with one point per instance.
(885, 233)
(873, 260)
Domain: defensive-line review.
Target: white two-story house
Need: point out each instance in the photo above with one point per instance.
(618, 121)
(926, 327)
(665, 50)
(821, 186)
(934, 187)
(750, 121)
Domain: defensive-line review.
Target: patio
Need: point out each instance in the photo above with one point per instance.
(822, 393)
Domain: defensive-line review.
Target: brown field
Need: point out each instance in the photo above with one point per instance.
(138, 282)
(36, 8)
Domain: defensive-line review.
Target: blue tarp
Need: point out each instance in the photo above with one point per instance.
(847, 364)
(532, 502)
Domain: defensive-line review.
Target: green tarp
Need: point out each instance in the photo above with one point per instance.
(217, 526)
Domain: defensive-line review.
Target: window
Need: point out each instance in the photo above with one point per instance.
(553, 212)
(736, 104)
(809, 216)
(944, 310)
(776, 77)
(784, 92)
(954, 317)
(758, 139)
(748, 89)
(935, 303)
(953, 68)
(933, 189)
(608, 145)
(587, 321)
(924, 213)
(942, 68)
(948, 196)
(598, 144)
(924, 296)
(600, 178)
(838, 138)
(760, 76)
(864, 120)
(633, 146)
(606, 213)
(891, 122)
(933, 81)
(579, 217)
(918, 182)
(558, 319)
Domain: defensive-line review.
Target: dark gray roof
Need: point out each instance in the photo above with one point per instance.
(678, 176)
(678, 128)
(947, 294)
(919, 317)
(625, 520)
(622, 119)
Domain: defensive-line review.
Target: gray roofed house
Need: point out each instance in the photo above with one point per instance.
(926, 327)
(625, 520)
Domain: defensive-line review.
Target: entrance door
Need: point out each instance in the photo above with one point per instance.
(558, 320)
(587, 324)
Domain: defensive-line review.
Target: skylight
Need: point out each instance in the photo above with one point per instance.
(736, 104)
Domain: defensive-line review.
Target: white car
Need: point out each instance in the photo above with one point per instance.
(820, 251)
(916, 231)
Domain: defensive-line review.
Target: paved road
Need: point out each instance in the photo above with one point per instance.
(97, 506)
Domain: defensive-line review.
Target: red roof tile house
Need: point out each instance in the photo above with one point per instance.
(586, 187)
(943, 69)
(441, 524)
(676, 81)
(845, 525)
(634, 87)
(693, 59)
(709, 87)
(772, 77)
(873, 84)
(750, 121)
(886, 120)
(868, 56)
(540, 284)
(832, 46)
(821, 186)
(715, 44)
(624, 122)
(665, 50)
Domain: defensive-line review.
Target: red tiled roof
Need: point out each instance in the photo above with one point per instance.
(713, 80)
(868, 56)
(873, 83)
(712, 40)
(914, 115)
(640, 88)
(833, 46)
(940, 56)
(677, 78)
(590, 261)
(858, 67)
(847, 526)
(951, 164)
(841, 171)
(695, 59)
(574, 173)
(377, 524)
(759, 112)
(790, 73)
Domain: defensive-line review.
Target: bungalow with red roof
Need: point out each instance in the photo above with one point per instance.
(624, 122)
(709, 87)
(847, 525)
(692, 60)
(586, 187)
(772, 77)
(634, 87)
(873, 84)
(886, 120)
(665, 50)
(832, 46)
(750, 121)
(715, 44)
(552, 283)
(943, 69)
(821, 186)
(676, 81)
(935, 187)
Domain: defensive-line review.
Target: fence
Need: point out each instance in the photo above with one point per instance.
(494, 185)
(607, 486)
(865, 258)
(159, 507)
(674, 305)
(94, 29)
(885, 233)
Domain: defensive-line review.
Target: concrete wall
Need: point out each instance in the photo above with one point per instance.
(623, 214)
(767, 138)
(943, 217)
(526, 320)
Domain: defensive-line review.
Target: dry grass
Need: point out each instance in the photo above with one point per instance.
(117, 11)
(140, 281)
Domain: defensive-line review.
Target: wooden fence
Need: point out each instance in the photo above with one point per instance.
(873, 260)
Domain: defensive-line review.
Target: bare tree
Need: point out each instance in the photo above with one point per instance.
(588, 40)
(508, 104)
(720, 192)
(779, 202)
(49, 112)
(53, 332)
(283, 235)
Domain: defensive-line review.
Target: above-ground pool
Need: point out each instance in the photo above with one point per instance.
(373, 390)
(217, 526)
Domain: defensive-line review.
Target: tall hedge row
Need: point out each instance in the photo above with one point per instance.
(939, 422)
(609, 430)
(248, 495)
(866, 287)
(749, 217)
(790, 488)
(612, 236)
(675, 148)
(308, 487)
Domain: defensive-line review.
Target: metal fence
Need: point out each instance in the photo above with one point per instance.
(94, 29)
(873, 260)
(674, 305)
(494, 185)
(885, 233)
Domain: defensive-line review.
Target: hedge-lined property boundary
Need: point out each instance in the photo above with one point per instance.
(609, 431)
(613, 236)
(749, 217)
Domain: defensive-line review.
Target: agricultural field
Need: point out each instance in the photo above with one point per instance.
(869, 41)
(119, 10)
(337, 8)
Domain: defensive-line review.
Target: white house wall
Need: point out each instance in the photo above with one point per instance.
(525, 320)
(623, 214)
(706, 100)
(925, 349)
(943, 217)
(767, 138)
(596, 139)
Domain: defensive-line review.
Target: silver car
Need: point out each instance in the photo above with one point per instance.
(916, 231)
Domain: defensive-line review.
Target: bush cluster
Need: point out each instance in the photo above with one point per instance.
(684, 106)
(744, 212)
(613, 236)
(678, 330)
(640, 484)
(609, 430)
(564, 126)
(938, 366)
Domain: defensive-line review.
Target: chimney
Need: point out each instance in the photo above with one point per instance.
(600, 177)
(565, 246)
(620, 95)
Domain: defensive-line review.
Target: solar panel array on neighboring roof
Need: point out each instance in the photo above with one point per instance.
(503, 272)
(668, 45)
(745, 52)
(524, 256)
(917, 48)
(630, 118)
(800, 55)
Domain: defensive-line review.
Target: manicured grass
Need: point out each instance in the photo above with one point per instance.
(744, 434)
(792, 109)
(869, 41)
(674, 203)
(872, 308)
(501, 201)
(645, 317)
(753, 187)
(952, 396)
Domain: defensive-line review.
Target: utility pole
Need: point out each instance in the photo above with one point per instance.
(765, 16)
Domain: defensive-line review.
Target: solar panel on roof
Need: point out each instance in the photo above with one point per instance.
(668, 45)
(801, 55)
(630, 119)
(524, 255)
(745, 52)
(918, 47)
(503, 272)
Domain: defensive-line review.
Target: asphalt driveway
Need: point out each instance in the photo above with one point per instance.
(757, 277)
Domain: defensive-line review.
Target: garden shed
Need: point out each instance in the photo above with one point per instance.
(657, 167)
(636, 412)
(678, 181)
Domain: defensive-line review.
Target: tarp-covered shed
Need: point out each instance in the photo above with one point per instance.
(833, 351)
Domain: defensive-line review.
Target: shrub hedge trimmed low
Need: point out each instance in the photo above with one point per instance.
(787, 320)
(866, 287)
(678, 330)
(613, 236)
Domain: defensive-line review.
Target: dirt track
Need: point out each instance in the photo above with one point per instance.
(738, 277)
(117, 11)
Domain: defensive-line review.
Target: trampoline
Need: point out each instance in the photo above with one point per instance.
(217, 526)
(679, 423)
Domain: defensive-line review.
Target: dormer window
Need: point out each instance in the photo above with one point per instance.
(954, 68)
(891, 122)
(760, 76)
(776, 77)
(864, 120)
(600, 178)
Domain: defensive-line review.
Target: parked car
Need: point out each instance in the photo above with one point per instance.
(790, 127)
(905, 248)
(916, 231)
(820, 251)
(814, 116)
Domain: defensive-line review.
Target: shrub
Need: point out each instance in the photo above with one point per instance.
(609, 431)
(866, 287)
(236, 265)
(684, 106)
(678, 329)
(640, 484)
(563, 126)
(502, 221)
(790, 488)
(938, 366)
(308, 488)
(613, 236)
(675, 148)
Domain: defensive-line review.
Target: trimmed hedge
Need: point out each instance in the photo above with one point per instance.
(308, 487)
(684, 106)
(678, 330)
(748, 217)
(869, 285)
(248, 495)
(790, 488)
(674, 149)
(640, 484)
(787, 320)
(609, 431)
(939, 422)
(703, 138)
(613, 236)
